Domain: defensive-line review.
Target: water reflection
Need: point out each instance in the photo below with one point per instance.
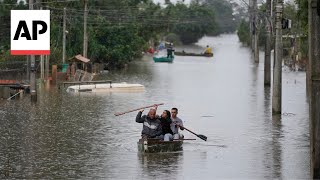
(48, 139)
(277, 135)
(161, 165)
(273, 135)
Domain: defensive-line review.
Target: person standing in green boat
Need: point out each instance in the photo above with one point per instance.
(151, 124)
(176, 124)
(170, 51)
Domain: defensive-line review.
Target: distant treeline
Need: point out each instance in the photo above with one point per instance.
(119, 30)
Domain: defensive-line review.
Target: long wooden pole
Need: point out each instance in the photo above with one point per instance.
(267, 57)
(64, 37)
(85, 34)
(277, 70)
(314, 67)
(33, 87)
(122, 113)
(42, 67)
(256, 34)
(251, 24)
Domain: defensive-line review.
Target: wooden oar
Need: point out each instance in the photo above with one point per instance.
(150, 139)
(203, 137)
(122, 113)
(184, 139)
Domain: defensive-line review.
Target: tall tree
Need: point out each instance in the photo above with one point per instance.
(223, 15)
(5, 7)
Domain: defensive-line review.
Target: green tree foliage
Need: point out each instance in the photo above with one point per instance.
(244, 32)
(199, 21)
(302, 18)
(291, 12)
(223, 15)
(5, 7)
(119, 30)
(302, 15)
(116, 45)
(260, 28)
(150, 21)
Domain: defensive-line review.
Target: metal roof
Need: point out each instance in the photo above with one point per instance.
(81, 58)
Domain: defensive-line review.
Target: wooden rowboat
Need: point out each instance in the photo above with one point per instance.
(193, 54)
(163, 59)
(156, 145)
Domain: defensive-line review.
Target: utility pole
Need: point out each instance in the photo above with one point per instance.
(47, 67)
(311, 19)
(42, 67)
(267, 57)
(277, 70)
(314, 67)
(64, 36)
(41, 56)
(28, 68)
(251, 24)
(256, 37)
(85, 35)
(33, 87)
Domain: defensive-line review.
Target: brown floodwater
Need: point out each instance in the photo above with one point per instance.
(67, 136)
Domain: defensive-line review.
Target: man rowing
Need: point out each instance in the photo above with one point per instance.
(151, 124)
(176, 124)
(208, 50)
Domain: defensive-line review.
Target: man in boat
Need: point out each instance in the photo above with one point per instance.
(151, 124)
(151, 50)
(170, 51)
(161, 46)
(208, 50)
(166, 121)
(176, 124)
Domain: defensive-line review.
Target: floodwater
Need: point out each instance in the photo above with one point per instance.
(65, 136)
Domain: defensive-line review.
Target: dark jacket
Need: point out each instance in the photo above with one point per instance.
(170, 51)
(151, 127)
(165, 124)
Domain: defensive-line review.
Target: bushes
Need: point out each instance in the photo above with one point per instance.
(175, 39)
(244, 32)
(199, 20)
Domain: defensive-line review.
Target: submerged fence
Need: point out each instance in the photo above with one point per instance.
(16, 69)
(13, 70)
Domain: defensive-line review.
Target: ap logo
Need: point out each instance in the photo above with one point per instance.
(30, 32)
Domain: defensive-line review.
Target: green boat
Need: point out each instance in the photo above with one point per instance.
(156, 145)
(163, 59)
(183, 53)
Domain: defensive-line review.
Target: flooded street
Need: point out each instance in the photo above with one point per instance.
(77, 136)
